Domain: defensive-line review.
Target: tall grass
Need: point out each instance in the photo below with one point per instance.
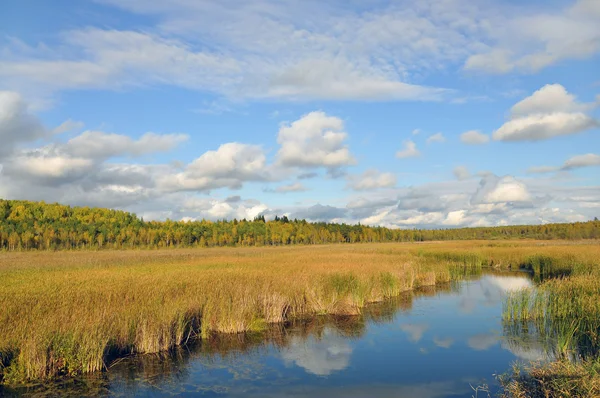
(67, 313)
(564, 311)
(554, 379)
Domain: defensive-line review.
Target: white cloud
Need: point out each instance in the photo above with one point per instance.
(230, 166)
(575, 162)
(589, 159)
(438, 137)
(98, 144)
(82, 171)
(67, 126)
(456, 218)
(474, 137)
(461, 173)
(314, 140)
(215, 209)
(548, 99)
(320, 212)
(330, 79)
(409, 150)
(494, 190)
(17, 124)
(304, 50)
(542, 169)
(45, 165)
(416, 132)
(543, 126)
(527, 42)
(372, 179)
(123, 58)
(239, 64)
(293, 187)
(547, 113)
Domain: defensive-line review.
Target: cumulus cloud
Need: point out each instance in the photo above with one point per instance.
(461, 173)
(91, 169)
(490, 201)
(495, 190)
(438, 137)
(543, 126)
(474, 137)
(547, 113)
(409, 150)
(372, 179)
(83, 157)
(548, 99)
(230, 166)
(314, 140)
(47, 166)
(194, 208)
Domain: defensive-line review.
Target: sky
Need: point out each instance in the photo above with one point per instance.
(404, 114)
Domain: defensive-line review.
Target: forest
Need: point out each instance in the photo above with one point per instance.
(26, 225)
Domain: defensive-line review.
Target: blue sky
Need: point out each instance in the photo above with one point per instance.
(429, 114)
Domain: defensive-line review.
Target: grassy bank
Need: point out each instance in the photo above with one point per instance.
(561, 378)
(65, 313)
(564, 311)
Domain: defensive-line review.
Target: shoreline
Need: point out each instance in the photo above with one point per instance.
(102, 307)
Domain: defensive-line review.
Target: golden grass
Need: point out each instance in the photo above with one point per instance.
(64, 313)
(555, 379)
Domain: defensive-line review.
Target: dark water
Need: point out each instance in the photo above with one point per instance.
(438, 342)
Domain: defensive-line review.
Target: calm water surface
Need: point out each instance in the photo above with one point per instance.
(436, 342)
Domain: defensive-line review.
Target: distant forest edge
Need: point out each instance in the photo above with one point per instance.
(26, 225)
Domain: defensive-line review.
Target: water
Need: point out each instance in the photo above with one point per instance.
(437, 342)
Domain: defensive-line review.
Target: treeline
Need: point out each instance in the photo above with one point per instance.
(28, 225)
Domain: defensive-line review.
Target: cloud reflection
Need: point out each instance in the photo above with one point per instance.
(321, 356)
(415, 331)
(443, 342)
(482, 341)
(491, 290)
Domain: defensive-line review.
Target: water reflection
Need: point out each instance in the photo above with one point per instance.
(380, 353)
(321, 356)
(491, 289)
(443, 342)
(415, 330)
(482, 341)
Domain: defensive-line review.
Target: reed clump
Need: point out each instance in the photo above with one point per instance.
(554, 379)
(66, 313)
(564, 310)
